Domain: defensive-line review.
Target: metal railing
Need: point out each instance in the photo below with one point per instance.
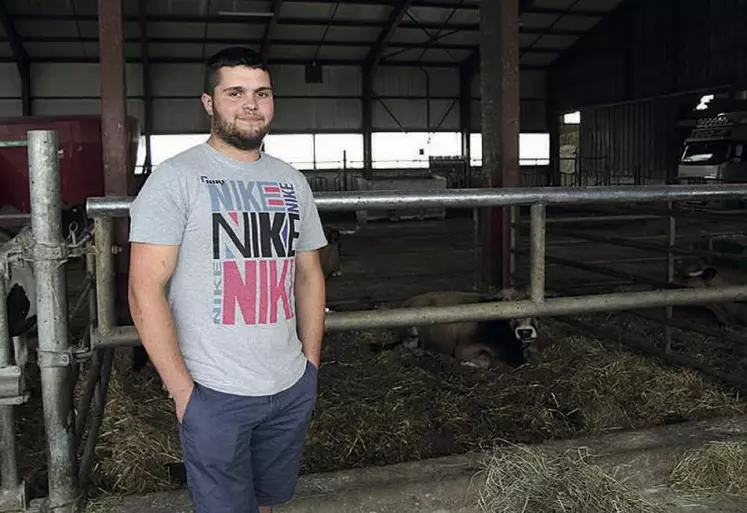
(49, 252)
(103, 209)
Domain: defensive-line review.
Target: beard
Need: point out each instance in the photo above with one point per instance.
(229, 133)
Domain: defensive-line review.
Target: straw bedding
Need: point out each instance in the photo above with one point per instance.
(390, 407)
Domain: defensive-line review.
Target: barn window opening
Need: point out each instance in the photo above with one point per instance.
(703, 105)
(534, 149)
(572, 118)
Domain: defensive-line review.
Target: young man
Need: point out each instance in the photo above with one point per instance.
(234, 234)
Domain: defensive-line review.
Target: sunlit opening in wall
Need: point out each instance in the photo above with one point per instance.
(704, 102)
(572, 118)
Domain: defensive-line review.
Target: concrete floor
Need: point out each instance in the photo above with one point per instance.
(453, 484)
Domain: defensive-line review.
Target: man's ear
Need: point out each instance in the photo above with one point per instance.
(207, 103)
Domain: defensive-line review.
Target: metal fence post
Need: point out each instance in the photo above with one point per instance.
(103, 236)
(12, 491)
(55, 356)
(537, 236)
(512, 227)
(668, 311)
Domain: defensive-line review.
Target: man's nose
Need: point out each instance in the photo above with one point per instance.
(250, 103)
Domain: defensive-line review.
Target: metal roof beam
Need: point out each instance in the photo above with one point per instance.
(312, 22)
(20, 57)
(440, 4)
(277, 5)
(562, 12)
(395, 18)
(276, 61)
(281, 42)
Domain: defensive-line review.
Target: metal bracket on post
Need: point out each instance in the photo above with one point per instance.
(14, 500)
(59, 253)
(55, 359)
(12, 389)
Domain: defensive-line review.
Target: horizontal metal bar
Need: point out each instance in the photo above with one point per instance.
(612, 273)
(14, 220)
(595, 219)
(13, 144)
(483, 197)
(404, 317)
(628, 243)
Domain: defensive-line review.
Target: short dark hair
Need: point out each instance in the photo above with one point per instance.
(231, 56)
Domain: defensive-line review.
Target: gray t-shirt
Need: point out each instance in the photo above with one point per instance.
(239, 226)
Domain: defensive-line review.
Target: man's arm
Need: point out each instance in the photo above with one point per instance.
(310, 291)
(151, 267)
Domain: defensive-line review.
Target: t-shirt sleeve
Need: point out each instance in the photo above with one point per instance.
(158, 215)
(311, 236)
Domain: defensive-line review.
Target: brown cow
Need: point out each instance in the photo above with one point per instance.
(481, 344)
(329, 255)
(697, 274)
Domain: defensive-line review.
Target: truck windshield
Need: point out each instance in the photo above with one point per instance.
(706, 153)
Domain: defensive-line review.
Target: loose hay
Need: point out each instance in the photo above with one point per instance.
(138, 436)
(530, 480)
(715, 468)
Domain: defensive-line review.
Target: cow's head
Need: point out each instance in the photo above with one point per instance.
(332, 234)
(695, 274)
(525, 329)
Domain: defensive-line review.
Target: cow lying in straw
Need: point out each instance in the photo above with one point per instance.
(694, 273)
(480, 344)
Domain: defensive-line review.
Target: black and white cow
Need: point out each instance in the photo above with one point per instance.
(20, 299)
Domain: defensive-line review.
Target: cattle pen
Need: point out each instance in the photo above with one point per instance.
(71, 431)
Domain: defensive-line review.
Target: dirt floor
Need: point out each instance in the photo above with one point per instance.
(377, 408)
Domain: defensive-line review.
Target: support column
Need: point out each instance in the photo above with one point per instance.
(55, 357)
(367, 121)
(147, 92)
(553, 128)
(118, 179)
(499, 84)
(465, 109)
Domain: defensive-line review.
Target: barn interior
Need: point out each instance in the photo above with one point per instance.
(405, 96)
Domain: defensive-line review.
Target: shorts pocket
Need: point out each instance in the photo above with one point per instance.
(312, 368)
(190, 403)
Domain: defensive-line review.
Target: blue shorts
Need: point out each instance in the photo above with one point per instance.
(244, 452)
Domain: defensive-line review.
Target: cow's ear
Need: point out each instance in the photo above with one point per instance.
(333, 236)
(708, 274)
(507, 294)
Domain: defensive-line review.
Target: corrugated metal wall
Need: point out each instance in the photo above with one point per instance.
(647, 54)
(332, 106)
(649, 48)
(630, 144)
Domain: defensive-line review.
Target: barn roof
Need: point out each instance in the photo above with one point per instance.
(406, 32)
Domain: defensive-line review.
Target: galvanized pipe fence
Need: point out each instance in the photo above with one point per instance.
(57, 355)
